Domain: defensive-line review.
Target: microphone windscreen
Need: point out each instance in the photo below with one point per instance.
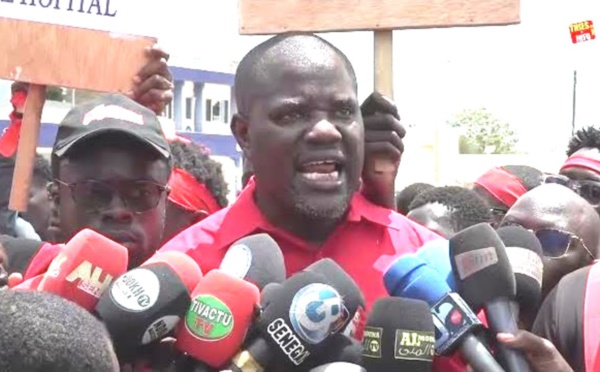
(525, 255)
(84, 268)
(146, 304)
(354, 301)
(218, 318)
(269, 293)
(300, 320)
(481, 266)
(436, 254)
(186, 268)
(340, 348)
(339, 367)
(256, 259)
(399, 336)
(411, 277)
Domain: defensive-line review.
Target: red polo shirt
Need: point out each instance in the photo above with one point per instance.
(364, 245)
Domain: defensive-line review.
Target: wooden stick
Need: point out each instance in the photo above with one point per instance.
(28, 141)
(383, 48)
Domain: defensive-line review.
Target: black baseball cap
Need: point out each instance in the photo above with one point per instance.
(110, 113)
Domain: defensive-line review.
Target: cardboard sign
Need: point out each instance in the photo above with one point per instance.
(83, 44)
(86, 44)
(277, 16)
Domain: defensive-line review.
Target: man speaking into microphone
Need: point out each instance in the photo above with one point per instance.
(301, 127)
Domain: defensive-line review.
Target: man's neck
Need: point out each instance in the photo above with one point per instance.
(313, 231)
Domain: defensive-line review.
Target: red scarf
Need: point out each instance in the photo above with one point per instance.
(10, 138)
(581, 161)
(504, 186)
(190, 194)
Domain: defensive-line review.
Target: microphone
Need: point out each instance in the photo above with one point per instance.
(436, 254)
(525, 254)
(146, 304)
(486, 280)
(294, 325)
(339, 348)
(215, 325)
(354, 301)
(455, 323)
(84, 268)
(399, 336)
(339, 367)
(256, 259)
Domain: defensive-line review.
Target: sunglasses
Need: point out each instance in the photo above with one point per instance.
(589, 190)
(557, 243)
(137, 196)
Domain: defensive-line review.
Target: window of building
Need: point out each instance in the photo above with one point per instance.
(208, 110)
(188, 108)
(169, 111)
(217, 111)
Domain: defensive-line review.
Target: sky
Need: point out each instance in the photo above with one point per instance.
(523, 73)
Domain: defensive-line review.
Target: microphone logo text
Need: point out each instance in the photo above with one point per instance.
(136, 290)
(414, 345)
(89, 279)
(471, 262)
(287, 341)
(316, 312)
(372, 342)
(209, 319)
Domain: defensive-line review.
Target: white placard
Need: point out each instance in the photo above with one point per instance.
(133, 17)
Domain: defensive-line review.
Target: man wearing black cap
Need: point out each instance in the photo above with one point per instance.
(111, 165)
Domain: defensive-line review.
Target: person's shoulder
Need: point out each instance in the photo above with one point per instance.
(396, 224)
(202, 233)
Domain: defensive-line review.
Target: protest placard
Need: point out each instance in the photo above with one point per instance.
(86, 44)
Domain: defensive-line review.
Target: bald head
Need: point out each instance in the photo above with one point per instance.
(263, 64)
(557, 207)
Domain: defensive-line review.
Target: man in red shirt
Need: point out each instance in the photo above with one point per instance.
(301, 127)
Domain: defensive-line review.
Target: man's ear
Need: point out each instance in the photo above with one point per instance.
(240, 129)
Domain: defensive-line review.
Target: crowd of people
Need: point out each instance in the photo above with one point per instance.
(311, 183)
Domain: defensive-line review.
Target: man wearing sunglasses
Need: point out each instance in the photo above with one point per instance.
(111, 166)
(582, 167)
(565, 224)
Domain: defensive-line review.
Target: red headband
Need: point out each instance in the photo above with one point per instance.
(190, 194)
(502, 185)
(582, 162)
(10, 138)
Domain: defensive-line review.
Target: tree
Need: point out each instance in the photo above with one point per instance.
(482, 133)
